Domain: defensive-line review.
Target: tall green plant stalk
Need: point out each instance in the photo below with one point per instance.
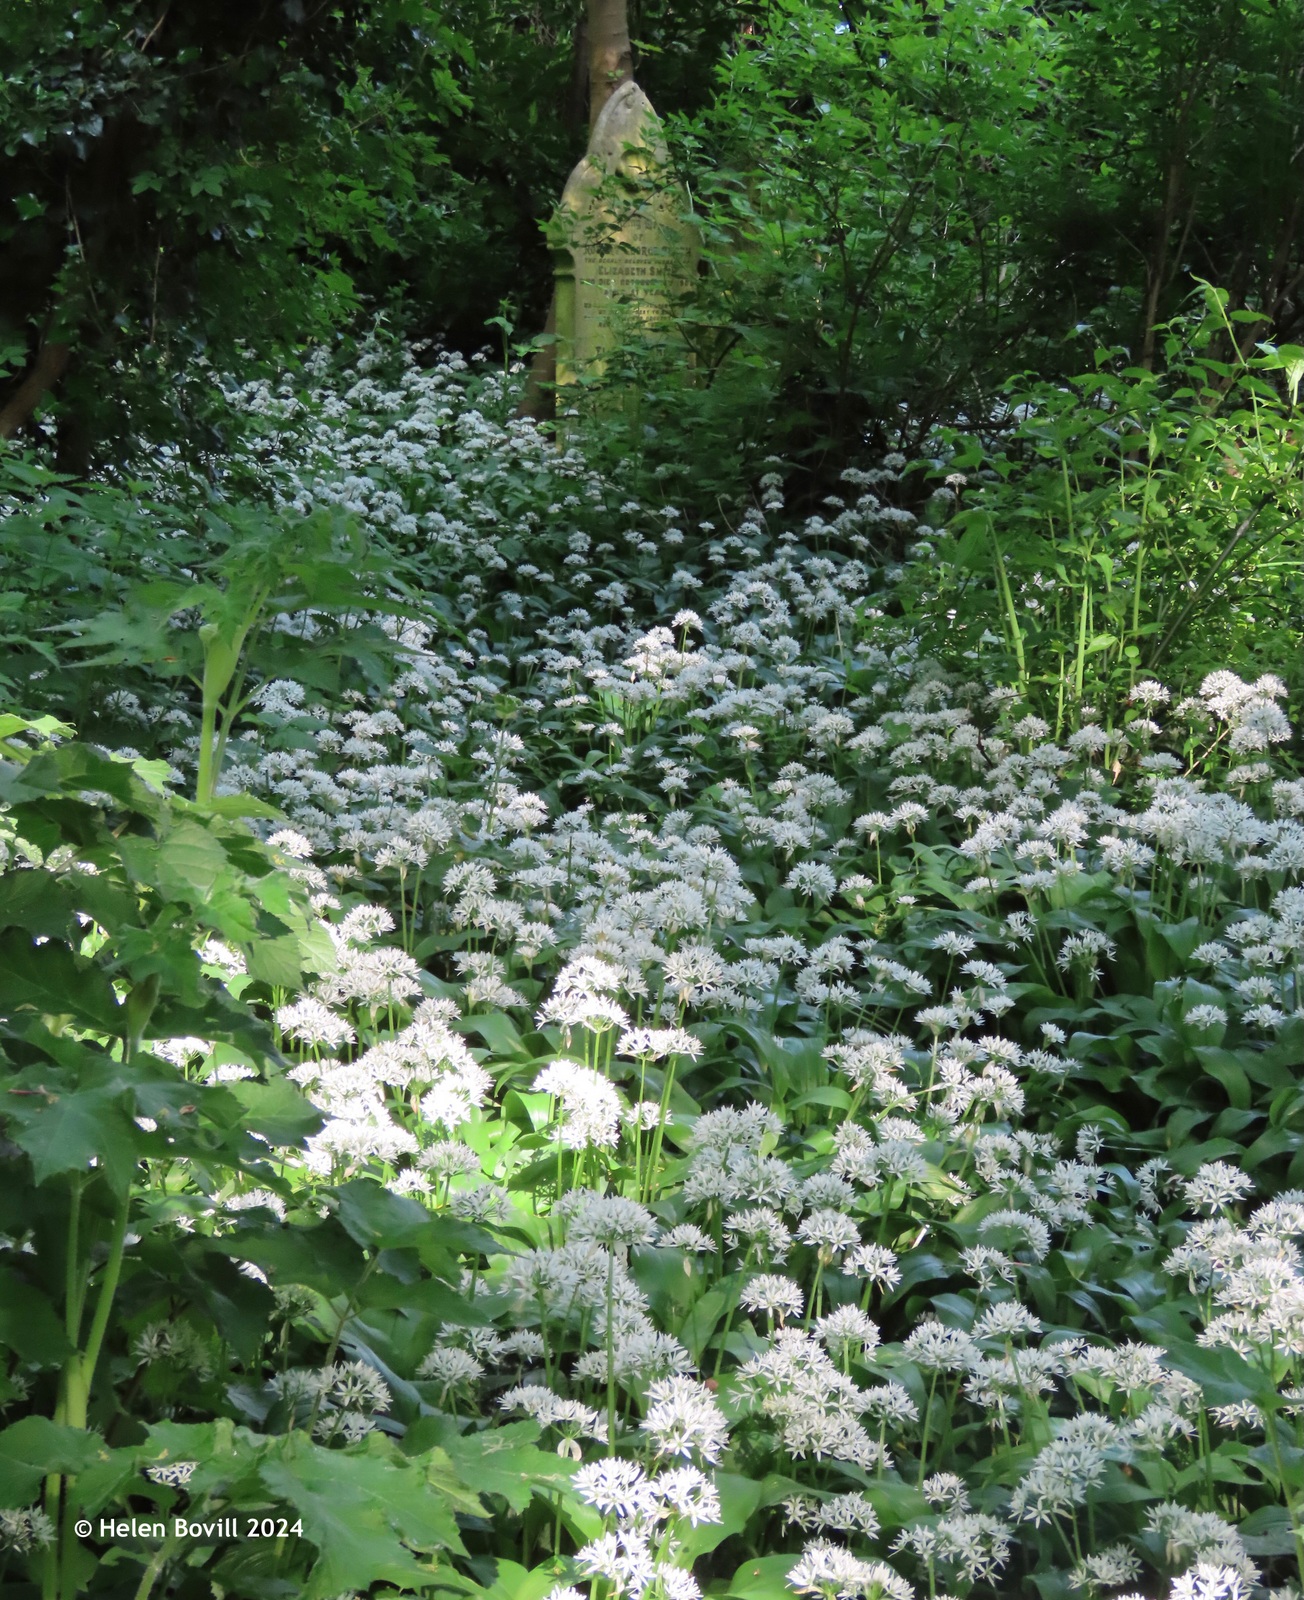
(78, 1375)
(223, 650)
(1007, 601)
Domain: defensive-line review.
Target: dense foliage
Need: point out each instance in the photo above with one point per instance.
(700, 1001)
(688, 1076)
(235, 181)
(902, 204)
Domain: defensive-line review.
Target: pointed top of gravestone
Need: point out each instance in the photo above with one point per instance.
(627, 144)
(627, 137)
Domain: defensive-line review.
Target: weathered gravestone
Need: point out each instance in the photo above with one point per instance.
(624, 256)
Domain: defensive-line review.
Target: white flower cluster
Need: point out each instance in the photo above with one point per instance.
(716, 976)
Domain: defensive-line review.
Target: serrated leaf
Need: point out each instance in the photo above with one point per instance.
(365, 1514)
(505, 1461)
(34, 1447)
(49, 980)
(185, 864)
(28, 1323)
(376, 1217)
(277, 961)
(63, 1129)
(276, 1110)
(322, 1257)
(37, 902)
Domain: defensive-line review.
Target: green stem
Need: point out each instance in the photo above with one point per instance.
(1011, 614)
(74, 1279)
(74, 1403)
(1274, 1443)
(207, 751)
(813, 1303)
(84, 1365)
(157, 1562)
(928, 1418)
(611, 1353)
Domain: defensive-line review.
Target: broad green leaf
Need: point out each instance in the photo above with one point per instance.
(701, 1322)
(322, 1257)
(365, 1512)
(34, 1447)
(64, 1129)
(38, 902)
(505, 1461)
(740, 1497)
(276, 1110)
(498, 1031)
(278, 961)
(379, 1219)
(765, 1578)
(28, 1323)
(49, 980)
(185, 864)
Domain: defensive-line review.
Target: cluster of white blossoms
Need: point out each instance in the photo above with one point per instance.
(645, 1513)
(754, 983)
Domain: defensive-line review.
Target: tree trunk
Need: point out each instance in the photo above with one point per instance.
(611, 59)
(537, 398)
(50, 365)
(610, 63)
(577, 103)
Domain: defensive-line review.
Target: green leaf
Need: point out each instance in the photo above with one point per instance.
(701, 1321)
(365, 1512)
(896, 1503)
(49, 980)
(380, 1219)
(504, 1461)
(1268, 1532)
(187, 862)
(498, 1031)
(322, 1257)
(46, 726)
(33, 1448)
(276, 1110)
(38, 902)
(277, 961)
(428, 1296)
(241, 805)
(830, 1095)
(1225, 1066)
(740, 1498)
(63, 1128)
(765, 1578)
(28, 1323)
(514, 1582)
